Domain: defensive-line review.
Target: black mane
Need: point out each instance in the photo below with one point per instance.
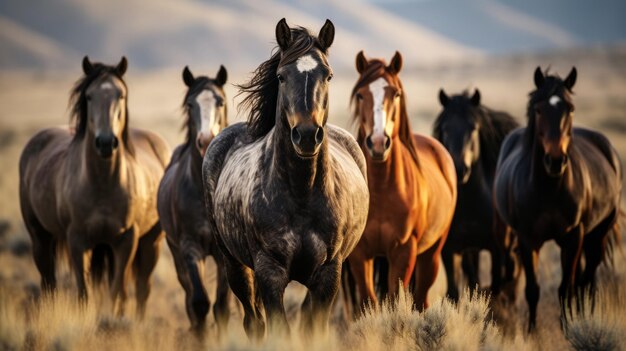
(261, 92)
(494, 127)
(78, 101)
(552, 85)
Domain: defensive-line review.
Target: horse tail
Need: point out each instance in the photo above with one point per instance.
(101, 264)
(348, 288)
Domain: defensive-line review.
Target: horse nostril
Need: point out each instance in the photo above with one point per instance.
(319, 135)
(387, 142)
(295, 136)
(564, 159)
(368, 142)
(115, 142)
(97, 142)
(199, 143)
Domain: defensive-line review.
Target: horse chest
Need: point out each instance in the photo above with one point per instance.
(392, 214)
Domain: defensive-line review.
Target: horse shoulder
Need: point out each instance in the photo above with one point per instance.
(427, 145)
(348, 142)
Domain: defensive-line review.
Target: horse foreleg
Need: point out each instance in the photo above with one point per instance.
(401, 265)
(323, 287)
(221, 310)
(470, 264)
(241, 281)
(530, 259)
(144, 263)
(362, 268)
(427, 267)
(571, 246)
(124, 249)
(448, 262)
(44, 253)
(77, 258)
(271, 279)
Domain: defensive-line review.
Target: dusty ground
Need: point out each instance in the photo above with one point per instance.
(33, 100)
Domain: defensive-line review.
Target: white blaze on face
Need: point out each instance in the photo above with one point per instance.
(206, 102)
(554, 100)
(106, 86)
(306, 63)
(377, 88)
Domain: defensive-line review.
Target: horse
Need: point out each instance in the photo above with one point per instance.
(412, 185)
(181, 199)
(472, 133)
(286, 192)
(558, 182)
(94, 189)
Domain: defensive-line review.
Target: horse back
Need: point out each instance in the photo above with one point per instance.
(151, 149)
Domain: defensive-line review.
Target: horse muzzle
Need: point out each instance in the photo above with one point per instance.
(106, 144)
(555, 166)
(307, 139)
(378, 146)
(202, 141)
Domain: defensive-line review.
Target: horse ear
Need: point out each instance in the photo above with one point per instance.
(571, 79)
(361, 62)
(476, 98)
(443, 98)
(188, 77)
(121, 67)
(221, 77)
(539, 78)
(283, 34)
(327, 34)
(87, 66)
(396, 63)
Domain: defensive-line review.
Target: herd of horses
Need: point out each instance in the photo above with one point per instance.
(286, 196)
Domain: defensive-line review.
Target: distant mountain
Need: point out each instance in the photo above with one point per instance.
(54, 34)
(156, 34)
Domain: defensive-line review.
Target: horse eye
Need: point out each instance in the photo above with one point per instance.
(359, 96)
(329, 78)
(220, 103)
(397, 95)
(88, 97)
(280, 78)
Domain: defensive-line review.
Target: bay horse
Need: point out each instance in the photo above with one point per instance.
(412, 186)
(181, 199)
(558, 182)
(286, 192)
(472, 133)
(95, 189)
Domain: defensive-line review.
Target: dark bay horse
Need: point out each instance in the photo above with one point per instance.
(181, 199)
(472, 134)
(557, 182)
(95, 189)
(286, 192)
(412, 186)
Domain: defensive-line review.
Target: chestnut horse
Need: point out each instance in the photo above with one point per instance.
(95, 189)
(286, 192)
(557, 182)
(473, 134)
(412, 186)
(181, 200)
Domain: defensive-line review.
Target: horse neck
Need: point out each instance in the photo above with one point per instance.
(194, 159)
(393, 169)
(103, 171)
(302, 175)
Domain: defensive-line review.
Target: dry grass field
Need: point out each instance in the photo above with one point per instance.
(32, 100)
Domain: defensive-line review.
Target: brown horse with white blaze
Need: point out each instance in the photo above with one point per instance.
(412, 184)
(95, 189)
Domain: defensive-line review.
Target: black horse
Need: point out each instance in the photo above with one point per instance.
(554, 181)
(472, 134)
(181, 201)
(286, 192)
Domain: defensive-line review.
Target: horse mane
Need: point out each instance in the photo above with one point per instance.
(199, 84)
(261, 91)
(552, 85)
(375, 69)
(78, 101)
